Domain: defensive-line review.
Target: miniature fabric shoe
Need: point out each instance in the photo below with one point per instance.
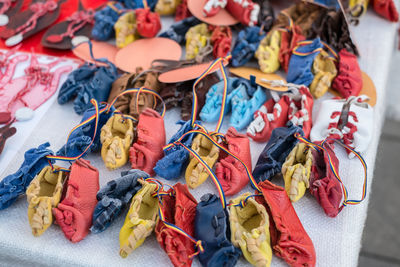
(116, 138)
(323, 184)
(303, 14)
(229, 171)
(212, 228)
(125, 29)
(279, 146)
(212, 7)
(44, 194)
(148, 148)
(348, 81)
(195, 173)
(324, 70)
(135, 4)
(179, 209)
(299, 71)
(14, 185)
(74, 213)
(289, 40)
(178, 30)
(197, 38)
(140, 220)
(296, 171)
(245, 11)
(246, 45)
(289, 240)
(269, 116)
(148, 23)
(386, 8)
(182, 11)
(250, 230)
(266, 16)
(176, 158)
(105, 19)
(268, 52)
(358, 7)
(166, 7)
(114, 197)
(221, 39)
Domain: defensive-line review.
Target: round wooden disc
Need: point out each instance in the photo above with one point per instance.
(141, 53)
(100, 50)
(246, 72)
(222, 18)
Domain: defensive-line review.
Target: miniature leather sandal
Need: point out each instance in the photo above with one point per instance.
(140, 220)
(348, 81)
(289, 240)
(116, 138)
(357, 8)
(179, 208)
(213, 229)
(148, 148)
(6, 132)
(212, 7)
(195, 173)
(178, 30)
(289, 40)
(246, 45)
(105, 19)
(387, 9)
(245, 11)
(229, 171)
(125, 29)
(268, 52)
(221, 39)
(114, 197)
(14, 185)
(197, 40)
(166, 7)
(74, 213)
(148, 23)
(296, 171)
(279, 146)
(324, 70)
(249, 222)
(44, 194)
(8, 9)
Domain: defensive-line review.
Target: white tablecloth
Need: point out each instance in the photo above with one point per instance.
(337, 241)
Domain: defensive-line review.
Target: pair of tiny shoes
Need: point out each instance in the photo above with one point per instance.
(116, 138)
(167, 7)
(279, 146)
(324, 70)
(289, 240)
(178, 30)
(387, 9)
(268, 52)
(140, 220)
(229, 171)
(179, 209)
(357, 8)
(195, 173)
(114, 197)
(75, 212)
(44, 194)
(197, 39)
(296, 171)
(148, 148)
(246, 45)
(289, 40)
(213, 229)
(249, 222)
(105, 19)
(125, 29)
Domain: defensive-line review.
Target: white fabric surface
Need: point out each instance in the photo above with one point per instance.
(337, 241)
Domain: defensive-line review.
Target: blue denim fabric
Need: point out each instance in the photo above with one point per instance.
(104, 21)
(213, 229)
(14, 185)
(134, 4)
(246, 45)
(279, 146)
(176, 158)
(328, 3)
(299, 71)
(178, 30)
(114, 197)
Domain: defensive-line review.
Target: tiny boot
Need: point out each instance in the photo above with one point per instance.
(125, 29)
(249, 222)
(324, 71)
(212, 7)
(148, 148)
(296, 171)
(246, 45)
(268, 52)
(43, 194)
(245, 11)
(229, 171)
(197, 38)
(116, 138)
(140, 220)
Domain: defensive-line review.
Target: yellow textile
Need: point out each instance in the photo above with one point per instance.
(125, 29)
(268, 52)
(167, 7)
(197, 37)
(324, 69)
(358, 7)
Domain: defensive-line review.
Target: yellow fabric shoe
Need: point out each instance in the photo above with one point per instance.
(296, 171)
(140, 220)
(167, 7)
(116, 138)
(358, 7)
(197, 38)
(44, 194)
(195, 173)
(125, 29)
(268, 52)
(250, 230)
(324, 69)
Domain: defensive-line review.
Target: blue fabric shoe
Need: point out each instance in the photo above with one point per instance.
(175, 159)
(246, 45)
(178, 30)
(134, 4)
(299, 71)
(328, 3)
(14, 185)
(114, 197)
(212, 228)
(280, 144)
(104, 21)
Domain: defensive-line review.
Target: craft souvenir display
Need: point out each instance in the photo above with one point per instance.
(126, 29)
(178, 30)
(104, 21)
(6, 132)
(268, 52)
(246, 45)
(197, 39)
(44, 194)
(386, 8)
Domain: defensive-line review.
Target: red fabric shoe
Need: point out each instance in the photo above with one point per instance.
(289, 40)
(148, 149)
(244, 11)
(229, 171)
(182, 11)
(74, 213)
(386, 8)
(300, 109)
(148, 23)
(212, 7)
(179, 208)
(221, 39)
(289, 240)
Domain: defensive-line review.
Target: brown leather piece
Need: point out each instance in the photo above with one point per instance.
(6, 132)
